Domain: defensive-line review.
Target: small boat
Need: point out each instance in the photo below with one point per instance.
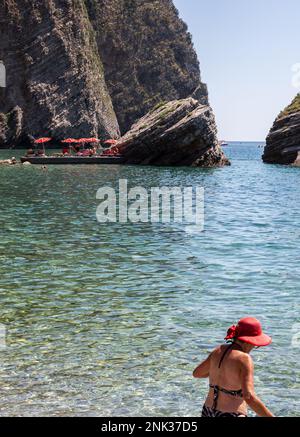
(223, 144)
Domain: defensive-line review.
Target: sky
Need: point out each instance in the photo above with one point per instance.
(246, 49)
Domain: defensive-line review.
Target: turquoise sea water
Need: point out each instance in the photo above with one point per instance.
(112, 319)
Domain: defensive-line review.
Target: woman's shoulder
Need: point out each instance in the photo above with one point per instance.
(218, 350)
(238, 354)
(245, 359)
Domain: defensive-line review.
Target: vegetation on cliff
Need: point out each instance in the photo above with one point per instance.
(292, 108)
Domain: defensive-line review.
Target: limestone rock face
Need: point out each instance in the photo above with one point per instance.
(55, 78)
(181, 132)
(11, 126)
(283, 141)
(147, 53)
(78, 68)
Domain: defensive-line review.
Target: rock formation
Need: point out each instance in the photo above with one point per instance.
(283, 141)
(147, 53)
(55, 78)
(11, 161)
(176, 133)
(93, 67)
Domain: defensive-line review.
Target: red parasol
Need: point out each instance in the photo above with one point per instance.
(42, 140)
(69, 141)
(92, 140)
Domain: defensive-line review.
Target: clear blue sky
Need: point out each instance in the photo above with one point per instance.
(246, 50)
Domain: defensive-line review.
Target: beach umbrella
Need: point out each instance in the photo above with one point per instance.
(92, 140)
(42, 140)
(69, 141)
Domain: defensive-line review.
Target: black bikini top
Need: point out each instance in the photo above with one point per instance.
(218, 389)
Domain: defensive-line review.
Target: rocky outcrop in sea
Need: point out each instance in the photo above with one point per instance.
(283, 141)
(10, 161)
(182, 132)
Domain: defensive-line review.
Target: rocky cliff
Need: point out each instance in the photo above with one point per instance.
(94, 67)
(147, 53)
(55, 77)
(182, 132)
(283, 141)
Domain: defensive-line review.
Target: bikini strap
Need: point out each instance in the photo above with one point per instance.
(216, 388)
(227, 352)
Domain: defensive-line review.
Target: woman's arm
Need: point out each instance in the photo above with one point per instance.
(247, 374)
(202, 371)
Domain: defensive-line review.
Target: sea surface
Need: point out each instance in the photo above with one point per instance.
(111, 319)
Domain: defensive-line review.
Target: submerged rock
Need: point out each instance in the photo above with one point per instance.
(283, 141)
(181, 132)
(11, 161)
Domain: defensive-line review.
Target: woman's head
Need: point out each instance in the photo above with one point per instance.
(246, 347)
(248, 331)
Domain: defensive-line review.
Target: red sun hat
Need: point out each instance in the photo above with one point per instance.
(250, 331)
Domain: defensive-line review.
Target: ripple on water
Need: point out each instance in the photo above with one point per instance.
(111, 320)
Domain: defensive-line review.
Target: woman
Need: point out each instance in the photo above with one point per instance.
(230, 371)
